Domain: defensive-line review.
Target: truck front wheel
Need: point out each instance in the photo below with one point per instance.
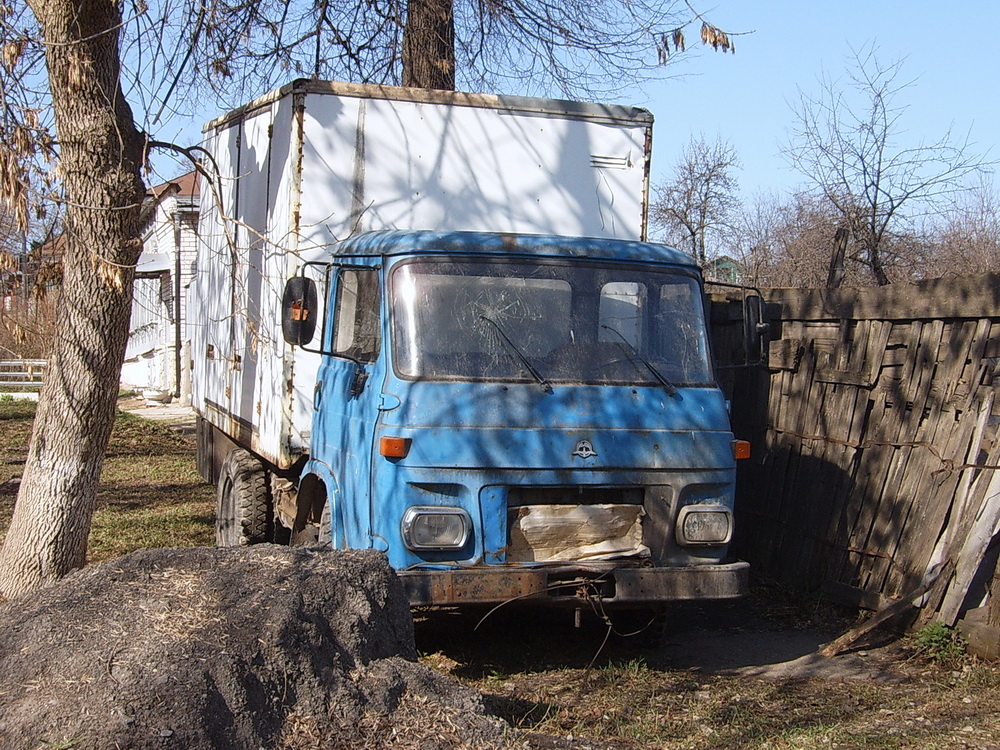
(244, 511)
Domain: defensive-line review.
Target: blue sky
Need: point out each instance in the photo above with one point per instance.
(948, 50)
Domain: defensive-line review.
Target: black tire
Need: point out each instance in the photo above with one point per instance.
(244, 511)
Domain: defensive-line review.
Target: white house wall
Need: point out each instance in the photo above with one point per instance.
(148, 353)
(151, 355)
(144, 356)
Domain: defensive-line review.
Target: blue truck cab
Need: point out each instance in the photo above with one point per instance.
(516, 417)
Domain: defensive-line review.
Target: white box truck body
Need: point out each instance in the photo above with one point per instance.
(314, 163)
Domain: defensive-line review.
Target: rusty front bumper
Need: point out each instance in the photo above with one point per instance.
(570, 585)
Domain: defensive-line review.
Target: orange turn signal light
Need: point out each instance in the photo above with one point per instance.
(741, 449)
(394, 447)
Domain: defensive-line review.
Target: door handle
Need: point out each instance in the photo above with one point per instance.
(358, 383)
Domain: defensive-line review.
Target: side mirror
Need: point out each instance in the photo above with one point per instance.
(756, 328)
(298, 310)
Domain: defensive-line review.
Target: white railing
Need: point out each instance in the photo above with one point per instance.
(22, 372)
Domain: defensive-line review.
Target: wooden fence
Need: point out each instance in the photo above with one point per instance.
(875, 432)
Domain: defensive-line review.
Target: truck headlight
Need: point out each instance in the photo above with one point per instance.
(704, 524)
(435, 527)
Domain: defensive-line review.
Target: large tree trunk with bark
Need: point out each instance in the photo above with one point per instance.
(429, 45)
(100, 159)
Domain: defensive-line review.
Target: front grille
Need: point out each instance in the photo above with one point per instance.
(580, 495)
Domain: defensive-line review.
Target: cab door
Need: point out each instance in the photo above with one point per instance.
(347, 398)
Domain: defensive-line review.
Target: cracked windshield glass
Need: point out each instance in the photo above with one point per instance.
(547, 322)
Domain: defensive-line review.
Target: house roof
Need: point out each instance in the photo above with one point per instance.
(52, 250)
(186, 184)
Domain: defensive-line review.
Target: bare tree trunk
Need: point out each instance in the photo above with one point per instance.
(877, 266)
(835, 276)
(100, 154)
(429, 45)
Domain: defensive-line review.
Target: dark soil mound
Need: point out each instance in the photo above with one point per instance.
(237, 648)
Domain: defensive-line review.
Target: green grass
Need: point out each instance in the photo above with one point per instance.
(16, 416)
(939, 642)
(150, 493)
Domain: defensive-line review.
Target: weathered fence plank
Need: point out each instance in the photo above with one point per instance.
(971, 554)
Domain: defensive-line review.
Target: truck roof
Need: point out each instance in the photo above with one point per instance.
(557, 107)
(403, 242)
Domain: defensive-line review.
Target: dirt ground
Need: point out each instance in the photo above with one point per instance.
(744, 674)
(305, 649)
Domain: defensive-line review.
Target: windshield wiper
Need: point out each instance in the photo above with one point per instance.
(518, 353)
(669, 387)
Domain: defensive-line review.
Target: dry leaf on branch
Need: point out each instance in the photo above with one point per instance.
(716, 37)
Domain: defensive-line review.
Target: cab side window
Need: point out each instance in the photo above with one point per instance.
(356, 330)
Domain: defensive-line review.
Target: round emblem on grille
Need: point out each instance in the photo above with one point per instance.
(584, 449)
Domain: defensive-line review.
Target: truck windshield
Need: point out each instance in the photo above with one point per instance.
(547, 321)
